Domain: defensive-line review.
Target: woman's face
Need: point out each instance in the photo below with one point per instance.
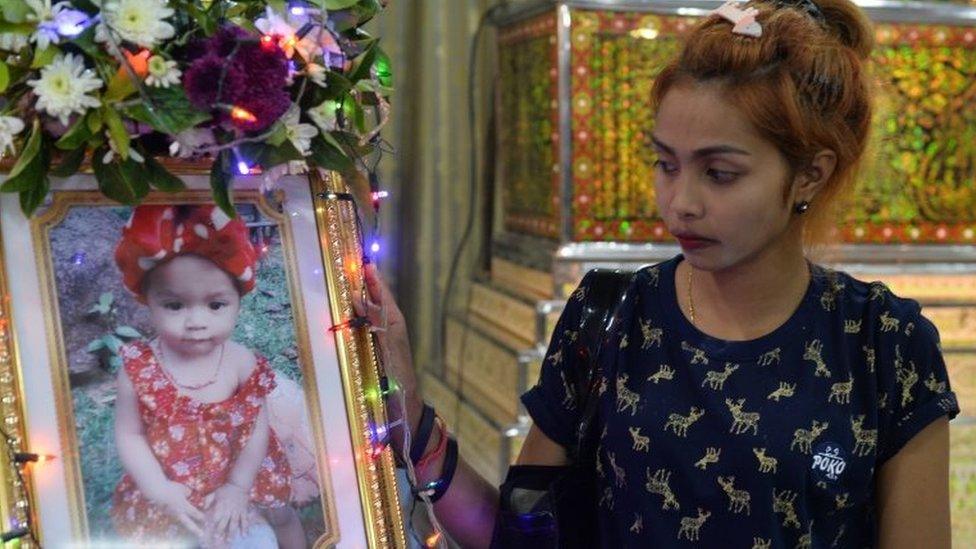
(193, 305)
(720, 186)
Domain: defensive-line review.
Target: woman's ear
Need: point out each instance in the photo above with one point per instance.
(808, 182)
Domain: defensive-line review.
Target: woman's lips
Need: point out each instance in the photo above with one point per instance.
(694, 242)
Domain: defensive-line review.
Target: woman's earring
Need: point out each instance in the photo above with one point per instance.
(802, 207)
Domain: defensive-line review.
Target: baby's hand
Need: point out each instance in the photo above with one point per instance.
(229, 510)
(173, 496)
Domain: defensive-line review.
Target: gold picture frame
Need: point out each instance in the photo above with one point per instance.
(339, 367)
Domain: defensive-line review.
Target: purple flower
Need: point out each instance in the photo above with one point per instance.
(255, 79)
(201, 82)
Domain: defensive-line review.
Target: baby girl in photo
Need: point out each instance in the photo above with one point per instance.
(204, 457)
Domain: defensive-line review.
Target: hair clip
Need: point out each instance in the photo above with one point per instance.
(743, 21)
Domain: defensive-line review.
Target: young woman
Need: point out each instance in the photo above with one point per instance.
(751, 398)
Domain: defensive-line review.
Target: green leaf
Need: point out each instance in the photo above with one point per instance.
(362, 64)
(76, 136)
(113, 343)
(33, 197)
(4, 76)
(123, 181)
(106, 299)
(31, 148)
(329, 156)
(220, 183)
(7, 27)
(172, 112)
(119, 87)
(94, 120)
(95, 346)
(279, 133)
(116, 129)
(16, 11)
(70, 163)
(43, 58)
(161, 178)
(128, 331)
(339, 4)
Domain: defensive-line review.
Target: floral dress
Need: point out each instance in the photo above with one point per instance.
(195, 443)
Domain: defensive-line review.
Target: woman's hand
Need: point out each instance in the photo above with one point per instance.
(394, 343)
(229, 511)
(174, 497)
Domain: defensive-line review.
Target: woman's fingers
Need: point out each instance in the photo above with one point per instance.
(189, 524)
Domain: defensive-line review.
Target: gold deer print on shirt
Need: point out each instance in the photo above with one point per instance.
(840, 534)
(882, 401)
(641, 443)
(828, 300)
(569, 398)
(888, 323)
(814, 353)
(619, 474)
(691, 525)
(711, 456)
(770, 357)
(638, 524)
(652, 277)
(806, 540)
(864, 439)
(767, 464)
(784, 390)
(679, 423)
(804, 438)
(556, 358)
(933, 385)
(698, 357)
(869, 357)
(743, 421)
(783, 503)
(909, 328)
(841, 391)
(658, 484)
(908, 377)
(738, 499)
(840, 500)
(652, 336)
(665, 372)
(625, 397)
(878, 291)
(623, 342)
(760, 543)
(852, 326)
(607, 498)
(715, 379)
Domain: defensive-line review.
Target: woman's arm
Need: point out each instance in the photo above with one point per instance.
(467, 510)
(913, 492)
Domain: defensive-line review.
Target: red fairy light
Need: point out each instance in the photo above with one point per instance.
(268, 43)
(242, 115)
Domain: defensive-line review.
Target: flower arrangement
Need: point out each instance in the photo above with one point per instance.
(255, 86)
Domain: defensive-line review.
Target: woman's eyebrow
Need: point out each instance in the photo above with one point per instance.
(716, 149)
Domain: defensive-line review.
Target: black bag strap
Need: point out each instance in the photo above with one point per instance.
(605, 292)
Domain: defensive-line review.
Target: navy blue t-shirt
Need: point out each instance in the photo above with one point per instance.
(773, 442)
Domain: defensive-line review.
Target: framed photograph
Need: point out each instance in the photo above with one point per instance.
(193, 374)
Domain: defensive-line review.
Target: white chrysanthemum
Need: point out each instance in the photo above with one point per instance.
(284, 28)
(298, 133)
(63, 87)
(9, 127)
(139, 21)
(162, 73)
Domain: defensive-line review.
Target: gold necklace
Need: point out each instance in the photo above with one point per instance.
(194, 387)
(691, 301)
